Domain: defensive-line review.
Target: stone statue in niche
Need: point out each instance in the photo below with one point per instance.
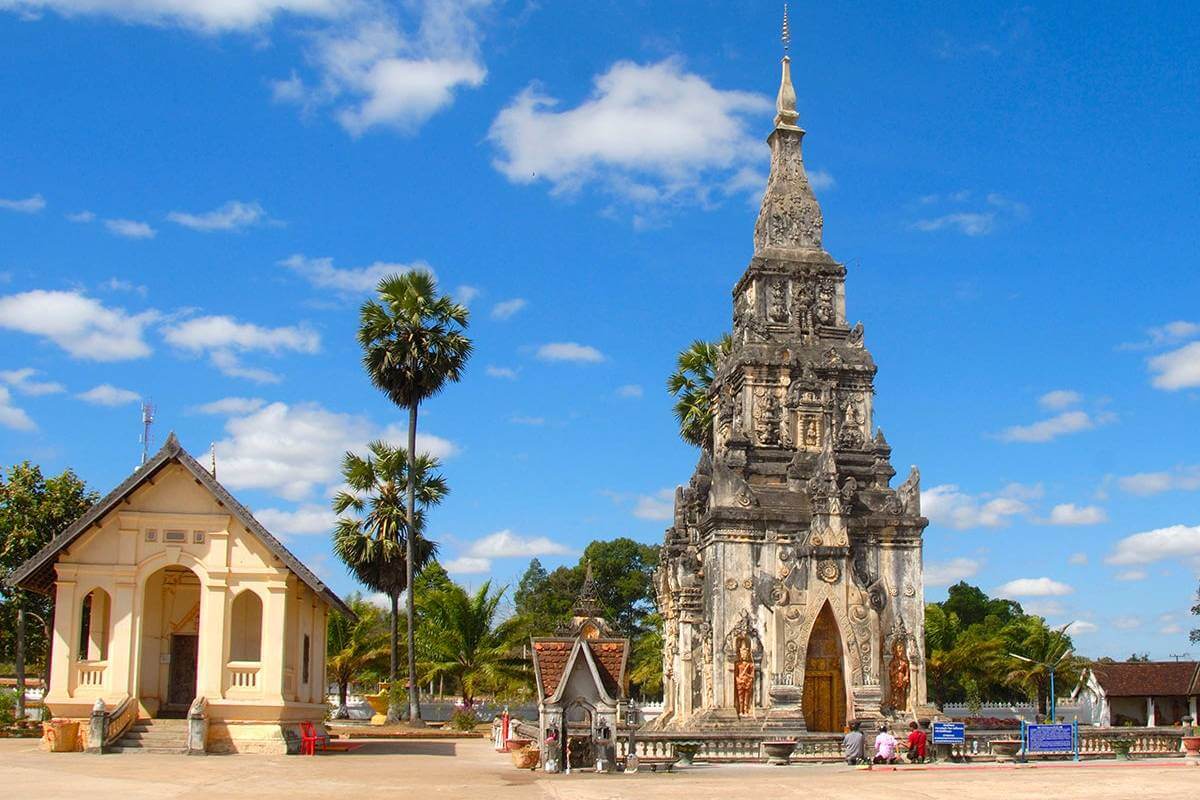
(898, 675)
(779, 312)
(767, 419)
(812, 432)
(826, 314)
(803, 302)
(743, 678)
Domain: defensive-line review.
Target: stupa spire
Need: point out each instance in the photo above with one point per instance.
(790, 218)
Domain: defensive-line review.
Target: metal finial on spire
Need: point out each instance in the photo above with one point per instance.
(787, 32)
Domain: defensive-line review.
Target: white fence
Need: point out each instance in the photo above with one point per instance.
(1067, 710)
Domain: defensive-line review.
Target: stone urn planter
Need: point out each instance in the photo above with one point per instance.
(524, 757)
(686, 751)
(1005, 750)
(515, 743)
(379, 704)
(61, 735)
(1191, 746)
(779, 751)
(1121, 748)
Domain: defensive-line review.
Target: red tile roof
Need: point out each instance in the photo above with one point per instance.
(1141, 679)
(550, 657)
(610, 660)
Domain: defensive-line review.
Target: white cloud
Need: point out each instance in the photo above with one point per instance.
(1164, 335)
(229, 364)
(11, 416)
(1178, 369)
(1060, 425)
(307, 520)
(467, 565)
(629, 390)
(1078, 559)
(229, 406)
(819, 180)
(569, 351)
(321, 273)
(440, 447)
(81, 216)
(660, 506)
(1185, 478)
(980, 222)
(466, 294)
(29, 205)
(231, 216)
(23, 381)
(118, 285)
(1033, 587)
(130, 228)
(1044, 608)
(1081, 627)
(1071, 514)
(108, 395)
(210, 16)
(376, 74)
(1059, 398)
(290, 450)
(225, 333)
(506, 544)
(78, 324)
(507, 308)
(648, 134)
(947, 573)
(1133, 575)
(507, 373)
(1174, 542)
(1171, 629)
(947, 505)
(1126, 623)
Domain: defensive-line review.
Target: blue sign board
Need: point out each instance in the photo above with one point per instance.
(1054, 738)
(949, 733)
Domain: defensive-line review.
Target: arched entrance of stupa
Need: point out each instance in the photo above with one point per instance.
(824, 677)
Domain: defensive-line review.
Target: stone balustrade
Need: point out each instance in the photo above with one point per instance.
(90, 674)
(242, 676)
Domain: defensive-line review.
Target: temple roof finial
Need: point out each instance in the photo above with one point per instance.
(785, 104)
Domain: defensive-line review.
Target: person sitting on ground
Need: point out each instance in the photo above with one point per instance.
(885, 746)
(852, 745)
(916, 744)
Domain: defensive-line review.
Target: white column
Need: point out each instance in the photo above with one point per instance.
(121, 649)
(1192, 709)
(273, 641)
(65, 639)
(1150, 721)
(214, 619)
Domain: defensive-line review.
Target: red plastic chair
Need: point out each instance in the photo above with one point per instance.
(310, 739)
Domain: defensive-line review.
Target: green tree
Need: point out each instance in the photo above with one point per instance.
(355, 646)
(413, 345)
(695, 369)
(373, 540)
(460, 640)
(1044, 647)
(33, 510)
(646, 658)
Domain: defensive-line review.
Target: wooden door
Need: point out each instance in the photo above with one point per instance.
(824, 698)
(181, 689)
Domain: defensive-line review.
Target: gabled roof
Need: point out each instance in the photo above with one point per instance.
(1144, 678)
(37, 574)
(555, 658)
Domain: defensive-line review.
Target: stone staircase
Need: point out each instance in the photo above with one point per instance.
(154, 736)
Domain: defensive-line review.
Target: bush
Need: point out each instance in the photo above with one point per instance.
(462, 720)
(8, 706)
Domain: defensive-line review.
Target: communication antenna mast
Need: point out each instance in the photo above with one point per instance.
(147, 422)
(1180, 656)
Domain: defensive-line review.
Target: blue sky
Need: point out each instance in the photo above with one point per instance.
(194, 198)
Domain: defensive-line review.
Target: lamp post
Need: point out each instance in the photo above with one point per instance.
(1051, 668)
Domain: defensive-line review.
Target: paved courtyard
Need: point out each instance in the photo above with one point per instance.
(470, 769)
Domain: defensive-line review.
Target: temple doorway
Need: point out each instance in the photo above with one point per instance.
(824, 681)
(170, 637)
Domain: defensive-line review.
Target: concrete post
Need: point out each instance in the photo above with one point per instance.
(197, 741)
(98, 728)
(1150, 721)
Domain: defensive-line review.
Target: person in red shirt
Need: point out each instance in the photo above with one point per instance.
(917, 741)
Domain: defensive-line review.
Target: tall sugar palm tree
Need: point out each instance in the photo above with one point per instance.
(1044, 646)
(462, 641)
(355, 645)
(371, 535)
(413, 344)
(695, 370)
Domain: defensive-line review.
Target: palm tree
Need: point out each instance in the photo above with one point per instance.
(1040, 648)
(461, 640)
(646, 658)
(413, 345)
(354, 646)
(374, 541)
(695, 370)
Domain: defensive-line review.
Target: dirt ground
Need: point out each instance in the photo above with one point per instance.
(471, 769)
